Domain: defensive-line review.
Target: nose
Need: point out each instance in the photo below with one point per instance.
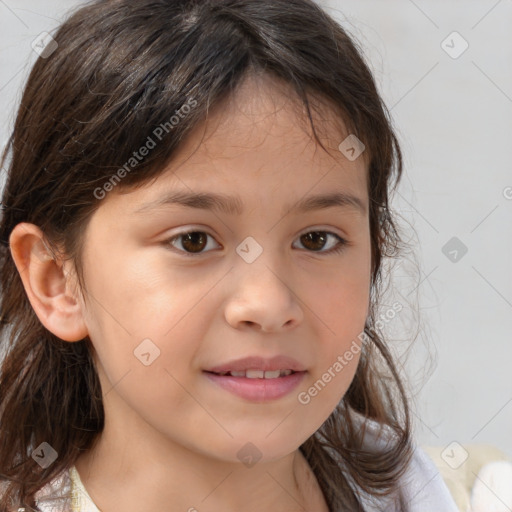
(263, 299)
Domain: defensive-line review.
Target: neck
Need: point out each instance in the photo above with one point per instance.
(151, 473)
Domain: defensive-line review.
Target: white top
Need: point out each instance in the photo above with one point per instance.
(422, 486)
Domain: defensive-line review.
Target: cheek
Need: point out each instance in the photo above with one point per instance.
(149, 368)
(342, 303)
(147, 324)
(325, 390)
(342, 306)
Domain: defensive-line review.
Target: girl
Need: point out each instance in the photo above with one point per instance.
(194, 222)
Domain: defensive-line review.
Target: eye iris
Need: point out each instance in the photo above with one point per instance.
(314, 236)
(192, 239)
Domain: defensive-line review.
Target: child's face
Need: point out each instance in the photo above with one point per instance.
(226, 301)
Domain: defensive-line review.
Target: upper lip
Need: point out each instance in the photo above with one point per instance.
(259, 363)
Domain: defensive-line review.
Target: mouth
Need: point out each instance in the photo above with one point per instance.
(257, 385)
(252, 367)
(256, 374)
(256, 378)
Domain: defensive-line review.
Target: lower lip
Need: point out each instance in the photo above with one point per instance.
(258, 390)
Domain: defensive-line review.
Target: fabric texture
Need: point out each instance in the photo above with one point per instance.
(82, 502)
(421, 486)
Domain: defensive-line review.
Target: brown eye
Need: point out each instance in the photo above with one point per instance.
(193, 242)
(315, 241)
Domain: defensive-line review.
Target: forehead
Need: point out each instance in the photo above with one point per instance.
(259, 143)
(266, 113)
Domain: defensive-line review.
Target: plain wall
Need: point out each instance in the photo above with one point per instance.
(453, 117)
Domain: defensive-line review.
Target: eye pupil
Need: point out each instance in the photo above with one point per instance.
(192, 239)
(314, 236)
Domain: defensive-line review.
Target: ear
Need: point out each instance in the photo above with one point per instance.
(47, 283)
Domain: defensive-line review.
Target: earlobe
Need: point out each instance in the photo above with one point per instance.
(46, 283)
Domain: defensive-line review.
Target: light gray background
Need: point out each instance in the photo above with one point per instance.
(454, 120)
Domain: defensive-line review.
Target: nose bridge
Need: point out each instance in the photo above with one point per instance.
(257, 258)
(263, 255)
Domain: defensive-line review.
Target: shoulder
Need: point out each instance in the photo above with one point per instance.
(55, 496)
(422, 487)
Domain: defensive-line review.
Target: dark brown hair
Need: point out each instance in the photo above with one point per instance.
(121, 69)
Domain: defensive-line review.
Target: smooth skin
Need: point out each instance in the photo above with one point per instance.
(171, 436)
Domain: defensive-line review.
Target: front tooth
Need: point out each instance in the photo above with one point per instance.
(238, 374)
(254, 374)
(272, 375)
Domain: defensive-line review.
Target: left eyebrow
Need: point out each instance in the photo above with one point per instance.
(233, 205)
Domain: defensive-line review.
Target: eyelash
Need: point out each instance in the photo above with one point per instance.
(342, 243)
